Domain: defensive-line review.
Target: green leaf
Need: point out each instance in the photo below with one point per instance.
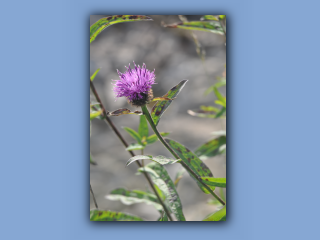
(221, 83)
(190, 159)
(161, 178)
(213, 27)
(163, 218)
(123, 111)
(222, 111)
(217, 216)
(209, 108)
(179, 176)
(135, 146)
(153, 138)
(159, 159)
(102, 215)
(143, 127)
(135, 196)
(220, 97)
(216, 182)
(210, 17)
(95, 114)
(222, 16)
(103, 23)
(94, 74)
(133, 134)
(160, 107)
(210, 148)
(222, 195)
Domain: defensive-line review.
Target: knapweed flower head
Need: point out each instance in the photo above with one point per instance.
(135, 84)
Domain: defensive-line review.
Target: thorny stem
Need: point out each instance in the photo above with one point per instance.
(154, 128)
(113, 127)
(94, 199)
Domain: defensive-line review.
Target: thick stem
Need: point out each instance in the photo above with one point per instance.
(94, 199)
(154, 128)
(113, 127)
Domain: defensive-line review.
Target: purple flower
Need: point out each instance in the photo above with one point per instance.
(135, 85)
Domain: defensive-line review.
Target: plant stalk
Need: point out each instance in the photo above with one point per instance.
(94, 199)
(154, 128)
(113, 127)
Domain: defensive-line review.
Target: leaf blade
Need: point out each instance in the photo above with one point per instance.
(213, 27)
(217, 182)
(102, 215)
(217, 216)
(143, 127)
(160, 177)
(103, 23)
(133, 134)
(160, 107)
(193, 162)
(210, 148)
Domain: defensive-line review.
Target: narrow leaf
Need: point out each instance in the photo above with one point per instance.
(160, 107)
(163, 218)
(213, 27)
(94, 74)
(216, 182)
(162, 99)
(95, 114)
(133, 134)
(102, 215)
(179, 176)
(217, 216)
(103, 23)
(160, 177)
(210, 148)
(134, 196)
(159, 159)
(219, 96)
(222, 111)
(209, 17)
(190, 159)
(135, 146)
(123, 111)
(153, 138)
(143, 127)
(222, 195)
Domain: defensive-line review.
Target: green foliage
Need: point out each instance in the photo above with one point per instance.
(123, 111)
(94, 74)
(190, 159)
(153, 138)
(217, 216)
(159, 159)
(102, 215)
(160, 107)
(95, 114)
(161, 178)
(143, 127)
(213, 27)
(210, 148)
(135, 196)
(216, 182)
(103, 23)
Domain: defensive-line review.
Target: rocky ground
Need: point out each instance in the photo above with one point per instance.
(172, 53)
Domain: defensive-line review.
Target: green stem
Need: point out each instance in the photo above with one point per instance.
(154, 128)
(113, 127)
(94, 199)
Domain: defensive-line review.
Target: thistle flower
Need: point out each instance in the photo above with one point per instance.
(135, 85)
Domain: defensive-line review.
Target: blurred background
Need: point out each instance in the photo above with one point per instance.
(172, 53)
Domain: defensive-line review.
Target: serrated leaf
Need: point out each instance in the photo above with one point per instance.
(143, 127)
(190, 159)
(123, 111)
(217, 216)
(216, 182)
(133, 134)
(103, 23)
(102, 215)
(159, 159)
(210, 17)
(160, 107)
(153, 138)
(135, 146)
(210, 148)
(94, 74)
(160, 177)
(213, 27)
(135, 196)
(95, 114)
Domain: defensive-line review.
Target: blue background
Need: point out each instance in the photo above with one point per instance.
(272, 121)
